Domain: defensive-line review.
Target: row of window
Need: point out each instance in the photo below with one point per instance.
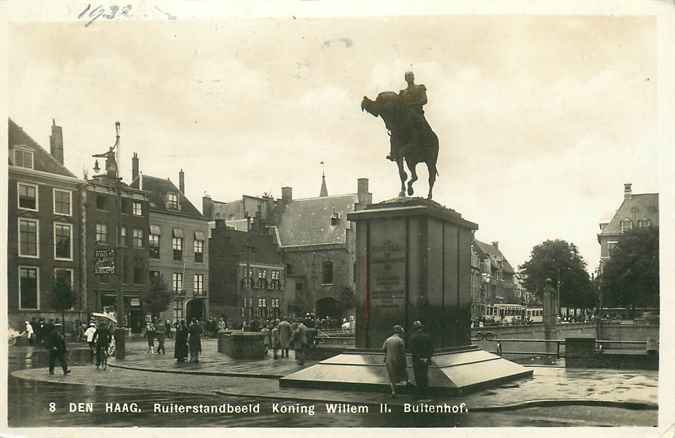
(177, 283)
(627, 224)
(29, 238)
(29, 285)
(28, 199)
(103, 202)
(262, 281)
(177, 244)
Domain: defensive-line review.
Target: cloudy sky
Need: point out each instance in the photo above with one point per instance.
(541, 119)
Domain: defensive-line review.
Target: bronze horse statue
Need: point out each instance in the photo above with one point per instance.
(410, 136)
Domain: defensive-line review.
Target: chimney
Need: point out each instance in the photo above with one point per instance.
(364, 196)
(324, 190)
(135, 175)
(496, 245)
(627, 191)
(181, 181)
(286, 194)
(56, 142)
(207, 206)
(220, 227)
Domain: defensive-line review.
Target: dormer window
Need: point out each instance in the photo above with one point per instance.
(172, 200)
(626, 225)
(335, 218)
(23, 158)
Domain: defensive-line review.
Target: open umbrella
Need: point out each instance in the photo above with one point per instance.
(104, 316)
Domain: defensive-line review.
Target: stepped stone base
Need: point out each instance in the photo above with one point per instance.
(452, 372)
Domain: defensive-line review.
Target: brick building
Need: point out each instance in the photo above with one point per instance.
(636, 211)
(496, 275)
(44, 232)
(315, 240)
(178, 247)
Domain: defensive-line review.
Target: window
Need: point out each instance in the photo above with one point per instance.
(153, 241)
(178, 310)
(125, 206)
(64, 275)
(63, 241)
(23, 158)
(262, 279)
(139, 275)
(626, 225)
(199, 247)
(123, 236)
(644, 223)
(101, 233)
(172, 200)
(327, 273)
(198, 284)
(137, 208)
(177, 244)
(28, 238)
(611, 247)
(28, 288)
(63, 202)
(28, 196)
(138, 238)
(276, 284)
(101, 202)
(177, 282)
(289, 269)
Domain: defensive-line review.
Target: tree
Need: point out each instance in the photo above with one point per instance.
(64, 298)
(631, 275)
(561, 262)
(157, 297)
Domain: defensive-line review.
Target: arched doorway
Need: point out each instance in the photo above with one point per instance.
(328, 306)
(195, 309)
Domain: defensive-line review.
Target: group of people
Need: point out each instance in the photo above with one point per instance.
(421, 349)
(37, 330)
(188, 340)
(157, 330)
(281, 335)
(98, 336)
(310, 320)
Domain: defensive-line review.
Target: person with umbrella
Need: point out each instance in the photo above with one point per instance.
(102, 339)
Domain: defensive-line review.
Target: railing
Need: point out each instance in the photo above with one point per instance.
(599, 345)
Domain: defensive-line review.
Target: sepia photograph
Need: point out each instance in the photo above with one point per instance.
(375, 221)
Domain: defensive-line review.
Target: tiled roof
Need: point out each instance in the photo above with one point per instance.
(647, 205)
(157, 189)
(308, 221)
(265, 251)
(42, 159)
(495, 255)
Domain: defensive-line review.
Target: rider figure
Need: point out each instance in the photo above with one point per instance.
(413, 97)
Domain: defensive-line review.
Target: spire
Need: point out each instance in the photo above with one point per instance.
(324, 189)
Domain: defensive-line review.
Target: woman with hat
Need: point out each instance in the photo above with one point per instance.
(394, 358)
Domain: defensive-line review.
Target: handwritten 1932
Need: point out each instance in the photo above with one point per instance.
(91, 14)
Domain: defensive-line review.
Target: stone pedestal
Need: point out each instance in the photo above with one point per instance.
(242, 345)
(413, 262)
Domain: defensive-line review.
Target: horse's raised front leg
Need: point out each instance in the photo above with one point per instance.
(432, 177)
(413, 178)
(403, 176)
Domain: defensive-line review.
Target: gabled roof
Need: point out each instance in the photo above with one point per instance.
(42, 160)
(157, 190)
(495, 256)
(308, 221)
(265, 251)
(638, 207)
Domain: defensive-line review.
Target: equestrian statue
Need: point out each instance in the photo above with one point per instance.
(410, 136)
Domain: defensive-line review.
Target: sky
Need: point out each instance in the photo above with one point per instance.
(541, 120)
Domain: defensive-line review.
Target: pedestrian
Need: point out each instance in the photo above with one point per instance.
(167, 328)
(300, 342)
(150, 335)
(89, 336)
(421, 348)
(221, 326)
(56, 345)
(265, 331)
(180, 345)
(194, 341)
(274, 339)
(29, 333)
(160, 332)
(284, 337)
(102, 339)
(394, 358)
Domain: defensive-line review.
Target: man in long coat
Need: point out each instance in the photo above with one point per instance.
(284, 337)
(180, 347)
(56, 345)
(195, 341)
(421, 349)
(394, 358)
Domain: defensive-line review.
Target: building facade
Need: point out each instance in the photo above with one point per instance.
(178, 246)
(636, 211)
(492, 278)
(44, 230)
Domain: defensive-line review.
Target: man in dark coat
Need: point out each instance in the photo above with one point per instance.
(195, 342)
(56, 345)
(180, 346)
(102, 339)
(421, 348)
